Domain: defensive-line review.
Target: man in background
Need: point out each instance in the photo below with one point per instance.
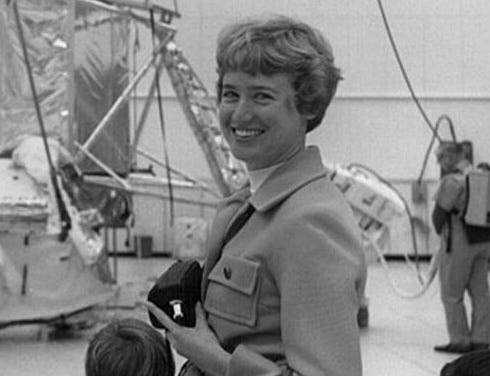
(463, 266)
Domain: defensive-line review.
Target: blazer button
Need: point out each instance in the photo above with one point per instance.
(227, 272)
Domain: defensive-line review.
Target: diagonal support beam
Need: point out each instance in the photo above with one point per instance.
(122, 99)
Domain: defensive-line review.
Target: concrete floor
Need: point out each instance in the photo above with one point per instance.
(398, 340)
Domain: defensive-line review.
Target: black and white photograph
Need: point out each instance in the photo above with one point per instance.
(244, 188)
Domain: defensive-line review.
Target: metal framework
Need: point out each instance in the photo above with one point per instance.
(197, 105)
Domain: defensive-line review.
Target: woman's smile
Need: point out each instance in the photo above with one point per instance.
(246, 134)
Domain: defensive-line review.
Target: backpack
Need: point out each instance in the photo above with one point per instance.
(476, 214)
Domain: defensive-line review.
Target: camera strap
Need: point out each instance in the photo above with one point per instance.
(244, 212)
(239, 222)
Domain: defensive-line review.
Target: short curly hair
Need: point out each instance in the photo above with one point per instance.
(280, 44)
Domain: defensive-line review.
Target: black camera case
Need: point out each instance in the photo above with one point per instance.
(176, 292)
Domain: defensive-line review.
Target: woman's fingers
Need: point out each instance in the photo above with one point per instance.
(160, 315)
(200, 315)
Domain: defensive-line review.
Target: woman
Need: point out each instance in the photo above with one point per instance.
(281, 296)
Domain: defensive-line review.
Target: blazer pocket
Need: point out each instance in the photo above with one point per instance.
(233, 290)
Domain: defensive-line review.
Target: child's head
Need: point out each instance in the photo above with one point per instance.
(129, 347)
(280, 44)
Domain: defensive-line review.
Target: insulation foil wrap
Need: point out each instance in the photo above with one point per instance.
(48, 31)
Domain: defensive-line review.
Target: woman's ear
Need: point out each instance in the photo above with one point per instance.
(306, 111)
(308, 115)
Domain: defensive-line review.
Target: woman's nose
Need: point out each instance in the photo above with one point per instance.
(242, 112)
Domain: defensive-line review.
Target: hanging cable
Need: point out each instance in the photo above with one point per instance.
(404, 73)
(402, 199)
(423, 281)
(431, 144)
(162, 124)
(136, 48)
(65, 219)
(435, 135)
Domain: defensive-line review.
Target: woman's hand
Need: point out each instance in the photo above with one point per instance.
(198, 344)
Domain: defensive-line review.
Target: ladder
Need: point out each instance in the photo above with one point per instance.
(201, 113)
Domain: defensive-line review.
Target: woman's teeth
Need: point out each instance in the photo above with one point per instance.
(246, 132)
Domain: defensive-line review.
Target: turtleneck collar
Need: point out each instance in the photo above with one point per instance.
(288, 177)
(257, 177)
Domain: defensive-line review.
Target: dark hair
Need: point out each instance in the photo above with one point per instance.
(474, 363)
(281, 44)
(483, 166)
(450, 147)
(129, 347)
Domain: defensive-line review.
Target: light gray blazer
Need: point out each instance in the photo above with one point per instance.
(285, 291)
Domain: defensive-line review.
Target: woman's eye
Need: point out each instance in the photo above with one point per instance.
(229, 95)
(263, 97)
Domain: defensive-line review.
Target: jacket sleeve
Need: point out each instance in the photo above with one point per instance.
(450, 189)
(439, 216)
(245, 362)
(320, 270)
(446, 199)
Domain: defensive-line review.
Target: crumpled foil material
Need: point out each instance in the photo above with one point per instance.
(48, 31)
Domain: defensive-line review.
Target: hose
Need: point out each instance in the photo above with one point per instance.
(424, 281)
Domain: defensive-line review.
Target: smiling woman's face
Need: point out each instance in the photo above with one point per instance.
(259, 118)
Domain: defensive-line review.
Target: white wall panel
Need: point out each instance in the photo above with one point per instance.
(443, 51)
(476, 52)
